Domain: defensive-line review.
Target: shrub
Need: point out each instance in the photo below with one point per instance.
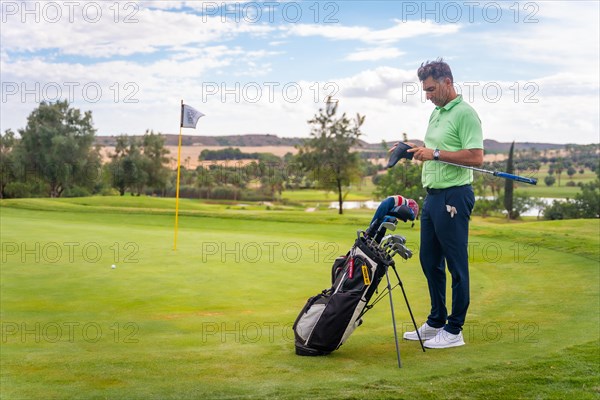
(561, 210)
(109, 191)
(18, 190)
(486, 207)
(76, 191)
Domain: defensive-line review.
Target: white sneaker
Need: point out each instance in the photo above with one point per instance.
(426, 332)
(444, 340)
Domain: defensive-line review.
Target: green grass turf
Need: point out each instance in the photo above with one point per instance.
(212, 320)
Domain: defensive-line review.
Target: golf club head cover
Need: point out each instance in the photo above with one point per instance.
(410, 213)
(403, 212)
(399, 153)
(404, 208)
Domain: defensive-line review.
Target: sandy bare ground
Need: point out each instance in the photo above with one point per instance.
(189, 155)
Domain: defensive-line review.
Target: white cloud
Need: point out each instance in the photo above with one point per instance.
(146, 31)
(374, 54)
(565, 35)
(555, 109)
(536, 110)
(382, 83)
(401, 30)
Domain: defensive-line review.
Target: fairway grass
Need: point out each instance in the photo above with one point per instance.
(213, 319)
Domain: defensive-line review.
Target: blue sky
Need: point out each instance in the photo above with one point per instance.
(530, 69)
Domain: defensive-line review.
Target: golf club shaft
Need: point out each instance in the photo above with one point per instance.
(505, 175)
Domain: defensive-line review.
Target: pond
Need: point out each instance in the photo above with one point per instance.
(372, 205)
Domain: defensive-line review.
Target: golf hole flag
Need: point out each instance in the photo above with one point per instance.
(189, 116)
(189, 119)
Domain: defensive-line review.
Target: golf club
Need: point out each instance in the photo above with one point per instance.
(402, 250)
(401, 152)
(499, 174)
(388, 243)
(404, 253)
(388, 226)
(395, 239)
(383, 228)
(389, 247)
(384, 240)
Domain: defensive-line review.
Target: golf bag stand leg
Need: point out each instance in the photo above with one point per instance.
(407, 306)
(389, 287)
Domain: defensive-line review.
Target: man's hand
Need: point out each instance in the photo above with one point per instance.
(467, 157)
(421, 153)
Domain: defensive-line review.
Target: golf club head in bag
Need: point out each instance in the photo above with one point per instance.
(399, 153)
(398, 248)
(389, 240)
(377, 230)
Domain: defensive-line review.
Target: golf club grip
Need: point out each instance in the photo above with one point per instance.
(531, 181)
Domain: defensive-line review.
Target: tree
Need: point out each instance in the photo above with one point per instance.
(8, 168)
(523, 203)
(127, 166)
(272, 178)
(327, 154)
(509, 184)
(155, 154)
(404, 179)
(559, 168)
(589, 199)
(205, 179)
(585, 205)
(91, 181)
(137, 164)
(115, 167)
(136, 167)
(549, 180)
(57, 144)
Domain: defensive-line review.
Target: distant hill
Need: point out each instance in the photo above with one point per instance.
(252, 140)
(257, 140)
(493, 146)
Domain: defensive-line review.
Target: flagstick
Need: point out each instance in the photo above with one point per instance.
(178, 175)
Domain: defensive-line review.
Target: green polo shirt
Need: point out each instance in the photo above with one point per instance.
(453, 127)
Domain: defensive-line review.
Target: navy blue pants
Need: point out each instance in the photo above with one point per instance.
(444, 241)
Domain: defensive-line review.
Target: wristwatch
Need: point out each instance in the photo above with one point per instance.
(436, 154)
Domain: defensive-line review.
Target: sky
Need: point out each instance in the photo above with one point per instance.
(530, 69)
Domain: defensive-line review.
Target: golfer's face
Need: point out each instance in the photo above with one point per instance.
(436, 91)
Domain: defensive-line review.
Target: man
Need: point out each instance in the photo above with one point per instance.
(454, 134)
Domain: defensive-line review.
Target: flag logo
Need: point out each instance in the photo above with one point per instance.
(189, 116)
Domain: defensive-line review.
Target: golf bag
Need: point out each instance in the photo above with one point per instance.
(330, 317)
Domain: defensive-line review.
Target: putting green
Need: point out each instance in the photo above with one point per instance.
(213, 319)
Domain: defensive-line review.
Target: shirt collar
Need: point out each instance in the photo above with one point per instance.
(452, 103)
